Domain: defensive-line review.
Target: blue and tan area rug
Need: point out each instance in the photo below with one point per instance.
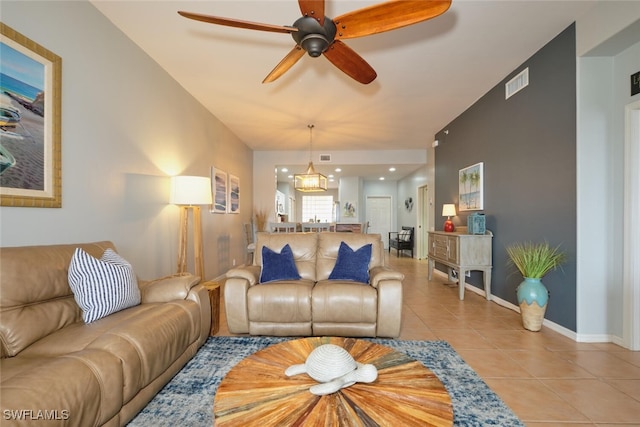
(188, 399)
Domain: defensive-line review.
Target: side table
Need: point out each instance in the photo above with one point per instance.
(214, 298)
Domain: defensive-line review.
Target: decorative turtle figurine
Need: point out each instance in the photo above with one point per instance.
(334, 368)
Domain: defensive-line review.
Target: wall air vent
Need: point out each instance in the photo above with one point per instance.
(324, 158)
(517, 83)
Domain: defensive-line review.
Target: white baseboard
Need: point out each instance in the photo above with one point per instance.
(600, 338)
(546, 322)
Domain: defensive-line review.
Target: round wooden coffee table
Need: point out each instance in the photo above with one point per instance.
(256, 392)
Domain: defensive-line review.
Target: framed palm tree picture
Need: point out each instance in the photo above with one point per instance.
(471, 188)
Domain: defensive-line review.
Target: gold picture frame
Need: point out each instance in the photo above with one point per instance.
(30, 123)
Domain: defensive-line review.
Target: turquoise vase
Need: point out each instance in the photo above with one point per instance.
(533, 297)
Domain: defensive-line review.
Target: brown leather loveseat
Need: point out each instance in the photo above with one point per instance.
(314, 304)
(55, 369)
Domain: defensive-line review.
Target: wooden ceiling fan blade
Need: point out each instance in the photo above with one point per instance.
(387, 16)
(283, 66)
(313, 8)
(229, 22)
(352, 64)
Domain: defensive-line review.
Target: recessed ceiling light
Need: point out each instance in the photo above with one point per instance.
(284, 170)
(330, 176)
(290, 176)
(381, 178)
(338, 170)
(392, 169)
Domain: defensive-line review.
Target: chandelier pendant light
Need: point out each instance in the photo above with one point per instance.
(310, 181)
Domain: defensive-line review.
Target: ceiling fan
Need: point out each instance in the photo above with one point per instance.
(317, 34)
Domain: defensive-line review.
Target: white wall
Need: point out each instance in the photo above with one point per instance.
(625, 64)
(350, 190)
(408, 187)
(603, 91)
(126, 127)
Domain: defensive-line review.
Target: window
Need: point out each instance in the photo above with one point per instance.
(317, 208)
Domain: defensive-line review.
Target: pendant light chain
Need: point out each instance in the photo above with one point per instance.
(310, 141)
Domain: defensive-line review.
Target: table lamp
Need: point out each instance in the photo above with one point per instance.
(449, 210)
(189, 192)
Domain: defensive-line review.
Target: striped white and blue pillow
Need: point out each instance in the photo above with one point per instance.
(102, 286)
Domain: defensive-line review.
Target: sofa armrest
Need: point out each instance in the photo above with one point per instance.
(236, 287)
(250, 273)
(379, 274)
(388, 283)
(389, 319)
(174, 287)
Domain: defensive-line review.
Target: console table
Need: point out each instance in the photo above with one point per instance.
(462, 252)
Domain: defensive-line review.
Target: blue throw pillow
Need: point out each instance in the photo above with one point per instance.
(278, 266)
(352, 265)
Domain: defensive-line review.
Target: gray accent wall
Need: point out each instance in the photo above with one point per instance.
(528, 146)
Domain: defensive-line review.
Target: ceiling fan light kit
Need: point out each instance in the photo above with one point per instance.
(317, 34)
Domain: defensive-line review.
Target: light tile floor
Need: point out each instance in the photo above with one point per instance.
(544, 377)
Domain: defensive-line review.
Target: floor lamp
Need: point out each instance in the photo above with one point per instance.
(189, 192)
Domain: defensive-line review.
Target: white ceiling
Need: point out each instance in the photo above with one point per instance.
(428, 73)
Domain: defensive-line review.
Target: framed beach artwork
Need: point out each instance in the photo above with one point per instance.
(218, 190)
(234, 194)
(471, 188)
(30, 111)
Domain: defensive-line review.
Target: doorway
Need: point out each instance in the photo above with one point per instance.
(631, 261)
(422, 234)
(379, 216)
(291, 213)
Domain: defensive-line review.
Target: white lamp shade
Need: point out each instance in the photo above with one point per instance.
(191, 190)
(449, 210)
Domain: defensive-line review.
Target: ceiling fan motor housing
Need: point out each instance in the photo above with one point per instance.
(313, 37)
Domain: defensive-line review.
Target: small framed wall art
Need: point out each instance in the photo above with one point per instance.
(234, 195)
(218, 190)
(471, 188)
(349, 210)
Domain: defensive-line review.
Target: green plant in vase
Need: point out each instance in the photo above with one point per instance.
(534, 261)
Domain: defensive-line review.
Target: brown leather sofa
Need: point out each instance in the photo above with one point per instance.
(315, 305)
(57, 370)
